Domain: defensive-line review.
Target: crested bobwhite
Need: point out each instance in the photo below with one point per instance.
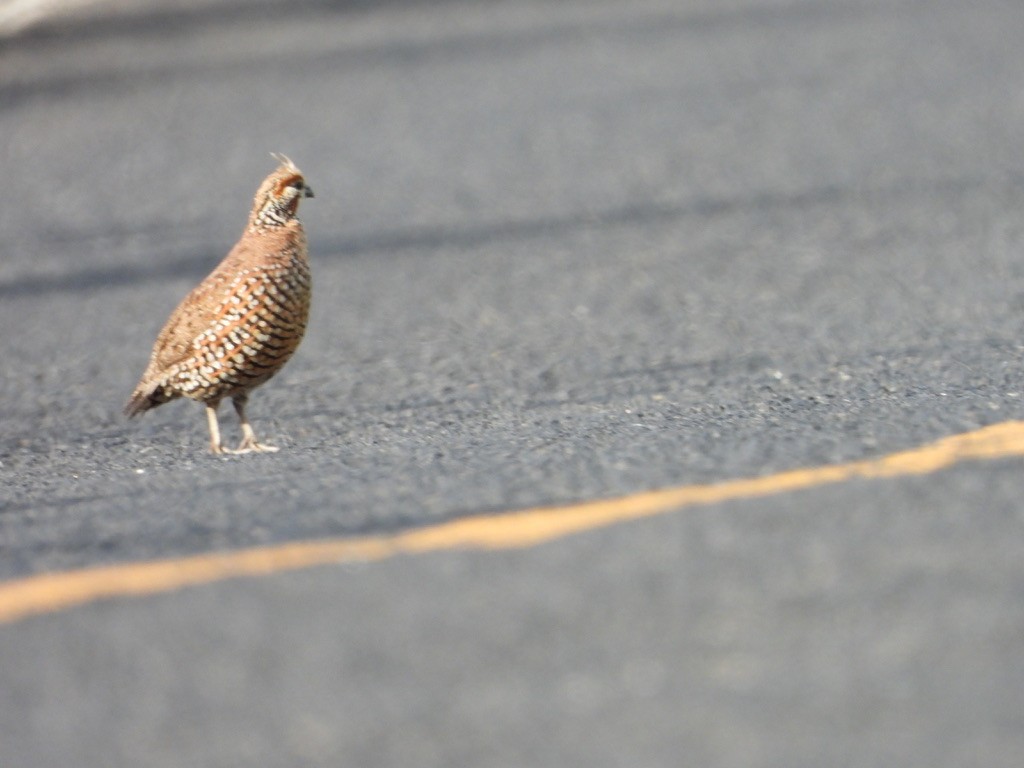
(241, 324)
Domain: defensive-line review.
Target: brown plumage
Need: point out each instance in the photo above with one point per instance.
(240, 325)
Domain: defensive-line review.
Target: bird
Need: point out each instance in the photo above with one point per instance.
(243, 322)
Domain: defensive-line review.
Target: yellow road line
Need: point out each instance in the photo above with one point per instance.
(57, 591)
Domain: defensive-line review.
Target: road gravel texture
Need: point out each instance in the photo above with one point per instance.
(562, 251)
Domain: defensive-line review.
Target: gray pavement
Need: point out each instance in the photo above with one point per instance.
(562, 251)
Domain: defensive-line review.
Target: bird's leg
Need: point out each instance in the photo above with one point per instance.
(249, 442)
(211, 418)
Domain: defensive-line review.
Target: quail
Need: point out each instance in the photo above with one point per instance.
(241, 324)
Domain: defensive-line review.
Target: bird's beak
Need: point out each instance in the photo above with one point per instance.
(308, 191)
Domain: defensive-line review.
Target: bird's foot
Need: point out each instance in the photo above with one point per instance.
(251, 446)
(244, 447)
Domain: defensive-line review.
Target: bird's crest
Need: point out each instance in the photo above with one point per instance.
(284, 160)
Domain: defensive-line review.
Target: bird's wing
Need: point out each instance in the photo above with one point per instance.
(193, 316)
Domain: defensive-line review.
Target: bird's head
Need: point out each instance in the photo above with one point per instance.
(277, 199)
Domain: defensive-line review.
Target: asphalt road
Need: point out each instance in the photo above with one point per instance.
(562, 251)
